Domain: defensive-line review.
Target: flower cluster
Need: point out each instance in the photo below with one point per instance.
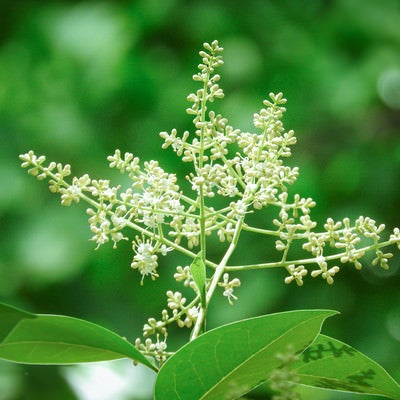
(152, 201)
(247, 171)
(156, 350)
(145, 258)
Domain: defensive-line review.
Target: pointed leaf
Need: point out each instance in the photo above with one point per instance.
(331, 364)
(55, 339)
(9, 317)
(228, 361)
(198, 271)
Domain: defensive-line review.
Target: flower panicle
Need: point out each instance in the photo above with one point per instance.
(247, 172)
(341, 242)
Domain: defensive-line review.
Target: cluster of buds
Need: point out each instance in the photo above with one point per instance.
(183, 315)
(157, 349)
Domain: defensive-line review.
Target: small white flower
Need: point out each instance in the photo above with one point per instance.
(229, 287)
(145, 261)
(164, 249)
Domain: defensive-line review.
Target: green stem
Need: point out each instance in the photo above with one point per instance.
(280, 264)
(200, 322)
(203, 243)
(216, 278)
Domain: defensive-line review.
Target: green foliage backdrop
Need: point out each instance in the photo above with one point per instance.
(79, 79)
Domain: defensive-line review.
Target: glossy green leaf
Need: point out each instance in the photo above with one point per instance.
(228, 361)
(55, 339)
(198, 271)
(331, 364)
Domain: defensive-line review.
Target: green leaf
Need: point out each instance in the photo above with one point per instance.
(198, 271)
(55, 339)
(331, 364)
(228, 361)
(9, 317)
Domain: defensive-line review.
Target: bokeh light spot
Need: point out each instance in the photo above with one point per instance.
(393, 323)
(389, 87)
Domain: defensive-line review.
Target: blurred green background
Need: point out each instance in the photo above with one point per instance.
(79, 79)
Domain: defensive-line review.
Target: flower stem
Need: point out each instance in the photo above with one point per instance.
(215, 279)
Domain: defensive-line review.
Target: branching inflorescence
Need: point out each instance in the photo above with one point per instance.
(248, 171)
